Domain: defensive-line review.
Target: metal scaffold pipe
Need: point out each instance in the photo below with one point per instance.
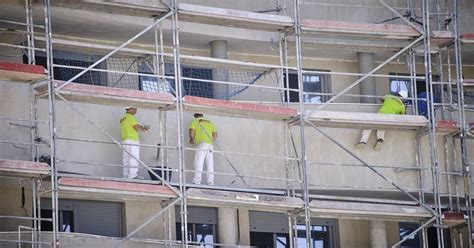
(52, 123)
(462, 121)
(432, 123)
(303, 161)
(179, 120)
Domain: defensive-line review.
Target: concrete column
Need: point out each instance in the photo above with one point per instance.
(367, 87)
(244, 227)
(378, 234)
(219, 50)
(227, 225)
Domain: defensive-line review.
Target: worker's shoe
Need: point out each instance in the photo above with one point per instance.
(360, 145)
(378, 145)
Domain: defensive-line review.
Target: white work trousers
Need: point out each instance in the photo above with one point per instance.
(130, 164)
(364, 137)
(204, 152)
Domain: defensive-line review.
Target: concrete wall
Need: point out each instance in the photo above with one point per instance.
(136, 213)
(235, 134)
(14, 98)
(11, 205)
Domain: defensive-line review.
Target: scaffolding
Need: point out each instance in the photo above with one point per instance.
(174, 92)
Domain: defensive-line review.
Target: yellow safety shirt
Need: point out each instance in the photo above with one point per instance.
(127, 129)
(203, 130)
(392, 105)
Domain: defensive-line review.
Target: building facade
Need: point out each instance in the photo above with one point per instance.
(289, 86)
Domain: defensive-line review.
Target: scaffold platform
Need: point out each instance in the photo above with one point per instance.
(237, 109)
(110, 96)
(23, 169)
(233, 18)
(85, 188)
(254, 201)
(22, 73)
(360, 120)
(467, 38)
(360, 210)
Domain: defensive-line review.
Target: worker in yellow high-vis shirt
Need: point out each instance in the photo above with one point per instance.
(392, 104)
(129, 128)
(202, 133)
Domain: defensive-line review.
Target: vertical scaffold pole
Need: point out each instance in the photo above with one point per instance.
(462, 120)
(432, 122)
(52, 122)
(303, 160)
(179, 120)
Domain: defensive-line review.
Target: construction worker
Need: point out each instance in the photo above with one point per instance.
(202, 133)
(129, 128)
(392, 104)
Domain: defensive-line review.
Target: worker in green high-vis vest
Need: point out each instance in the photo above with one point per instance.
(203, 134)
(129, 129)
(392, 104)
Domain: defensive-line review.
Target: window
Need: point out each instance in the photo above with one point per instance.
(202, 224)
(74, 59)
(66, 220)
(320, 236)
(200, 233)
(91, 217)
(399, 84)
(313, 86)
(271, 230)
(151, 83)
(405, 230)
(190, 87)
(269, 240)
(197, 88)
(433, 237)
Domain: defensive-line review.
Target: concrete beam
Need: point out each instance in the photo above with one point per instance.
(18, 168)
(368, 211)
(82, 188)
(467, 38)
(233, 18)
(366, 120)
(389, 31)
(22, 73)
(110, 96)
(237, 109)
(252, 201)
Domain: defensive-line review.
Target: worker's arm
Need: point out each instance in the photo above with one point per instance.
(191, 136)
(214, 136)
(138, 127)
(404, 110)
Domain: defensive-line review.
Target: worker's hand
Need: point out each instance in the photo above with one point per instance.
(146, 127)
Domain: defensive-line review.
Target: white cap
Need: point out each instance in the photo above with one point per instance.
(403, 93)
(130, 107)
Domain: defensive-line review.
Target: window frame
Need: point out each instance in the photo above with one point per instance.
(197, 215)
(66, 205)
(259, 225)
(325, 86)
(73, 56)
